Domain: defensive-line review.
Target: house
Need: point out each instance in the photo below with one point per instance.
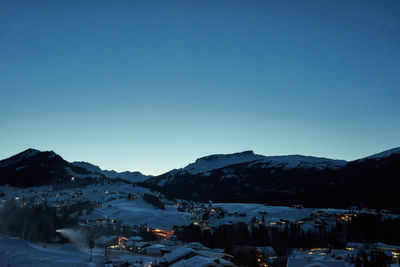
(266, 251)
(105, 241)
(390, 250)
(180, 253)
(215, 254)
(156, 250)
(313, 262)
(195, 245)
(356, 246)
(318, 258)
(132, 240)
(200, 261)
(341, 254)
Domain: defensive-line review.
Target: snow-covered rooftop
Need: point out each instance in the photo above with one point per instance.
(200, 261)
(178, 253)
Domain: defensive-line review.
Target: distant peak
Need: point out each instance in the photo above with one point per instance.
(30, 152)
(216, 161)
(245, 153)
(384, 154)
(26, 155)
(214, 157)
(213, 162)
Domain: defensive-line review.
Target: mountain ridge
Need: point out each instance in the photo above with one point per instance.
(249, 178)
(350, 183)
(217, 161)
(241, 158)
(34, 167)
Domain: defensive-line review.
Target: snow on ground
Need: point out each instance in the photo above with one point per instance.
(271, 213)
(111, 203)
(302, 262)
(17, 252)
(137, 212)
(112, 200)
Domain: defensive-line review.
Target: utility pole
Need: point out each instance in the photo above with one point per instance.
(91, 246)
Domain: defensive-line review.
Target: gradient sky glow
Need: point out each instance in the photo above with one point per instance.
(153, 85)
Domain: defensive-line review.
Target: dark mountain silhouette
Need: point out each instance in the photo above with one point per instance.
(371, 182)
(33, 168)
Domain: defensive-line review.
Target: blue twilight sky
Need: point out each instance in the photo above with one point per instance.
(153, 85)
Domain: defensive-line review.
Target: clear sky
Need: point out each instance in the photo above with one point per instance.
(153, 85)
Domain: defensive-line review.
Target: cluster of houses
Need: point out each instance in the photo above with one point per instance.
(162, 253)
(341, 257)
(202, 212)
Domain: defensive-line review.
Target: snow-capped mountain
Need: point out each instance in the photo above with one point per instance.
(29, 153)
(238, 177)
(213, 162)
(93, 169)
(33, 167)
(284, 180)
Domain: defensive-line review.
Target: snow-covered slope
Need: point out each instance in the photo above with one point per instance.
(17, 252)
(218, 161)
(126, 175)
(93, 169)
(87, 166)
(384, 154)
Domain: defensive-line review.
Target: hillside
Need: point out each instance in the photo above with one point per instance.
(286, 180)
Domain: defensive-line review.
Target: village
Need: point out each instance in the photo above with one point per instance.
(168, 251)
(133, 226)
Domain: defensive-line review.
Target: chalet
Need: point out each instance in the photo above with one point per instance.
(200, 261)
(156, 250)
(105, 241)
(178, 254)
(301, 262)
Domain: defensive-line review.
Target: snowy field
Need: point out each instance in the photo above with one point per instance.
(271, 213)
(112, 200)
(138, 212)
(125, 204)
(112, 203)
(16, 252)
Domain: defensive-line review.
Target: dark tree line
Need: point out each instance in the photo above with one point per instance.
(117, 229)
(153, 200)
(37, 223)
